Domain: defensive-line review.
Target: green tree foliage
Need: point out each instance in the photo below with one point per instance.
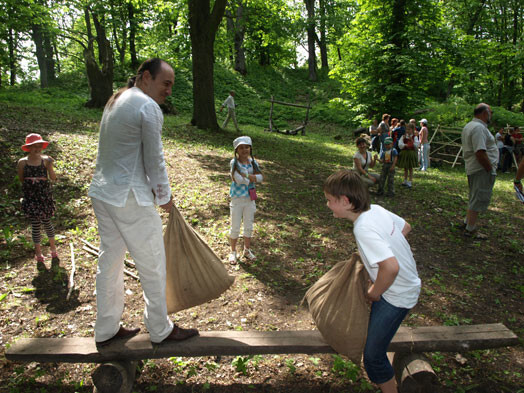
(270, 36)
(396, 54)
(388, 56)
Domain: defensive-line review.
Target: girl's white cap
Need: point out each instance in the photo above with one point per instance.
(242, 140)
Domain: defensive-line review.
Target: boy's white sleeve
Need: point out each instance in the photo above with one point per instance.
(372, 245)
(398, 221)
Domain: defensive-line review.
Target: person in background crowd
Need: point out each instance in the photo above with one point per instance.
(481, 157)
(424, 145)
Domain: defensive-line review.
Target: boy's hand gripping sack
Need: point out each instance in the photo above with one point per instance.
(195, 274)
(338, 305)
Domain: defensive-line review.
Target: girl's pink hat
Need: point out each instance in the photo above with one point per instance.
(33, 139)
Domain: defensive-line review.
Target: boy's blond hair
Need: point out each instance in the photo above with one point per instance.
(348, 183)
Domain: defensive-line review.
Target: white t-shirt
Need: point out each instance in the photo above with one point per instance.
(365, 163)
(475, 137)
(500, 140)
(378, 233)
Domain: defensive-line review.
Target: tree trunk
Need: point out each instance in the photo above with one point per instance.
(322, 44)
(11, 43)
(203, 25)
(100, 78)
(44, 55)
(57, 59)
(119, 19)
(237, 27)
(397, 98)
(38, 39)
(49, 58)
(132, 35)
(312, 57)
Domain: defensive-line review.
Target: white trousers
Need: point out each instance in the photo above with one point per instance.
(137, 229)
(242, 209)
(424, 161)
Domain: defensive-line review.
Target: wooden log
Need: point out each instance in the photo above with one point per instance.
(230, 343)
(414, 373)
(114, 377)
(289, 104)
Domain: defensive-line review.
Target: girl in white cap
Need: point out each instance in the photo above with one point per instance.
(245, 172)
(35, 171)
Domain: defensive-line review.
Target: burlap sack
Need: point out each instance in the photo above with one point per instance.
(195, 274)
(339, 308)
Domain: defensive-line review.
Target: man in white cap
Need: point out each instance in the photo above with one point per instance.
(481, 156)
(129, 179)
(424, 145)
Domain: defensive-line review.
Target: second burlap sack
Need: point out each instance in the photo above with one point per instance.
(339, 307)
(195, 274)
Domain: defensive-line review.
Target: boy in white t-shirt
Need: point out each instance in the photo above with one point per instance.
(387, 256)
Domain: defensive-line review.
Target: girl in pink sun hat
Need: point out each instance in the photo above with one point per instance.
(35, 172)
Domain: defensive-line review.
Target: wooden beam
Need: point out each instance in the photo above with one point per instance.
(230, 343)
(289, 104)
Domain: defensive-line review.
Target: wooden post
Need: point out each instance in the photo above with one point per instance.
(114, 377)
(457, 157)
(271, 116)
(307, 114)
(414, 373)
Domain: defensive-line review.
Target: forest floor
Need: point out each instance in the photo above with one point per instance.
(465, 281)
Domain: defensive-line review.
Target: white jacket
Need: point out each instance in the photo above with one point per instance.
(130, 153)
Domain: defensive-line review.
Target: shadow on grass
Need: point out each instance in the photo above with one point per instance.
(51, 288)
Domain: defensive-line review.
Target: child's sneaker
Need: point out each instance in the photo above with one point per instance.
(233, 258)
(248, 254)
(405, 183)
(408, 184)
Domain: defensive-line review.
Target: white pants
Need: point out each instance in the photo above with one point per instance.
(242, 209)
(424, 162)
(137, 229)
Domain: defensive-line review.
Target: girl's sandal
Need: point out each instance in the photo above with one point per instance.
(54, 260)
(40, 266)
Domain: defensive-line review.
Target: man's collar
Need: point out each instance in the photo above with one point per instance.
(480, 121)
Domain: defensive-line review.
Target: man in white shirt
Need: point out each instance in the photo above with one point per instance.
(129, 179)
(229, 103)
(481, 156)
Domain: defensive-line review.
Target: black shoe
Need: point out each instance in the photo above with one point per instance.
(122, 333)
(180, 334)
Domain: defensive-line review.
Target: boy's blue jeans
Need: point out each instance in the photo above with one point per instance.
(384, 322)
